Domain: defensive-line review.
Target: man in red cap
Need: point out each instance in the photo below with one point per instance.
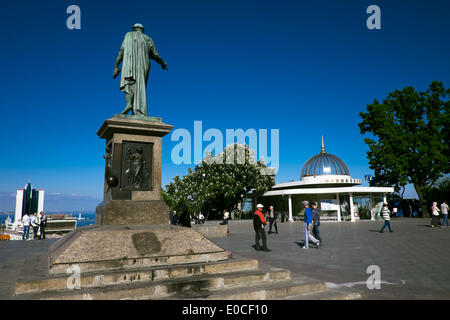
(258, 224)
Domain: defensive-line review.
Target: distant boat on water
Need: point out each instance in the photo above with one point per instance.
(80, 217)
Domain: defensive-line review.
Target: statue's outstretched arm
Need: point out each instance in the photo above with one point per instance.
(118, 61)
(155, 56)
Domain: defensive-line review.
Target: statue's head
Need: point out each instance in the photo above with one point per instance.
(138, 26)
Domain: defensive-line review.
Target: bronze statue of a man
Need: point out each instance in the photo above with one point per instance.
(136, 51)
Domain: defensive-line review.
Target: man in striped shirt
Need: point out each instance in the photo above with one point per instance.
(387, 217)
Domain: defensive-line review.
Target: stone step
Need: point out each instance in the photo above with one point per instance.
(27, 283)
(330, 294)
(259, 291)
(164, 288)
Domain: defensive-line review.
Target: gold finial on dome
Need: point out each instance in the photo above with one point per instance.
(323, 147)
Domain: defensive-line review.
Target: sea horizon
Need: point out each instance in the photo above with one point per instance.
(88, 215)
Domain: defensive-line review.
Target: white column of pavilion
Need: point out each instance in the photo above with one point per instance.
(290, 208)
(372, 217)
(352, 210)
(339, 207)
(370, 191)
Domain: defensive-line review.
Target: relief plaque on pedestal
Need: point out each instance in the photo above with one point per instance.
(133, 171)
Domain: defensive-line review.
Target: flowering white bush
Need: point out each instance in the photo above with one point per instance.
(219, 182)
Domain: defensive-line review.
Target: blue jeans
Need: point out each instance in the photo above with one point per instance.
(26, 232)
(35, 230)
(316, 231)
(273, 222)
(445, 219)
(308, 236)
(387, 223)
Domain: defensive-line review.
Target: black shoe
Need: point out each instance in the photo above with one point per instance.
(391, 231)
(267, 250)
(381, 231)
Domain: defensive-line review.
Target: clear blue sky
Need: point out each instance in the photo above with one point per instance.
(304, 67)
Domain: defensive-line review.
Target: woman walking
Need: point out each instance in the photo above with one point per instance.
(435, 222)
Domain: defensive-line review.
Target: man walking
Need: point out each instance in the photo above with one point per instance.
(307, 227)
(272, 220)
(258, 224)
(444, 211)
(26, 226)
(386, 213)
(316, 222)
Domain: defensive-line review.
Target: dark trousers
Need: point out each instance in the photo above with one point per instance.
(316, 232)
(42, 231)
(387, 223)
(35, 230)
(260, 234)
(273, 222)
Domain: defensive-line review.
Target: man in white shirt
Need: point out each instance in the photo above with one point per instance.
(226, 216)
(444, 211)
(201, 218)
(26, 226)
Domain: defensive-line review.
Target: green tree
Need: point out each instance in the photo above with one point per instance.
(220, 182)
(412, 133)
(439, 191)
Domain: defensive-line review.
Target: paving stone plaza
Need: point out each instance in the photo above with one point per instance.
(414, 260)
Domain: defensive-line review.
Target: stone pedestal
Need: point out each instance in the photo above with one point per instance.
(124, 212)
(133, 171)
(99, 248)
(132, 223)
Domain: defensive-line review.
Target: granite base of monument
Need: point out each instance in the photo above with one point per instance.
(132, 223)
(100, 248)
(123, 212)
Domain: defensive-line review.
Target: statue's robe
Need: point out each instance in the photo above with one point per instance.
(138, 49)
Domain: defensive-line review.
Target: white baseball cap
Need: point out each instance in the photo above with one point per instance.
(260, 205)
